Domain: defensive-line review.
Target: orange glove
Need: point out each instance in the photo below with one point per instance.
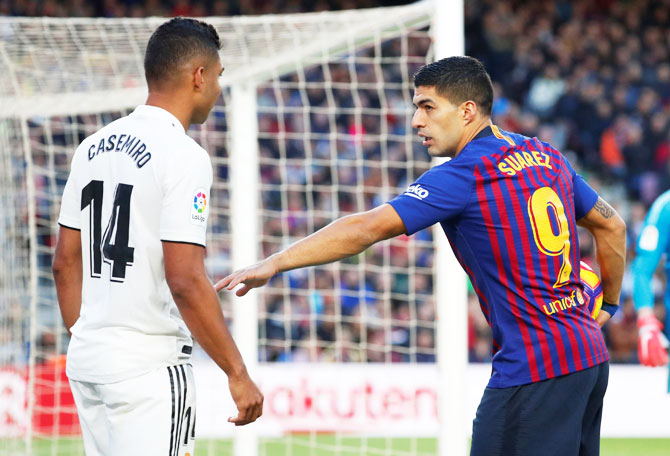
(651, 343)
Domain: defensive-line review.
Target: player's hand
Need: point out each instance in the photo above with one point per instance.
(248, 399)
(651, 344)
(602, 318)
(252, 277)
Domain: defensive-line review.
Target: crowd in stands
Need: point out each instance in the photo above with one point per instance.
(592, 77)
(192, 8)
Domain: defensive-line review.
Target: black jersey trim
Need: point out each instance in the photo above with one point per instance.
(179, 411)
(184, 242)
(69, 227)
(173, 407)
(183, 407)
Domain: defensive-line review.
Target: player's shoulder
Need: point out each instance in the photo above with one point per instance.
(663, 199)
(453, 177)
(185, 152)
(160, 128)
(518, 140)
(184, 158)
(93, 140)
(459, 166)
(192, 146)
(546, 150)
(659, 212)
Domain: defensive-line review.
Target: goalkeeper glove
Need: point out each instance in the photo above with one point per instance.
(651, 343)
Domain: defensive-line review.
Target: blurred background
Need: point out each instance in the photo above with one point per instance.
(591, 77)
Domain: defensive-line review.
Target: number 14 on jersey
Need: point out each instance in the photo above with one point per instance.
(117, 254)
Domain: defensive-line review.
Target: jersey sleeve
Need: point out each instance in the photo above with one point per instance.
(439, 194)
(186, 188)
(70, 207)
(585, 196)
(652, 243)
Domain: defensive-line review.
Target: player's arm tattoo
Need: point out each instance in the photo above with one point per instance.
(605, 209)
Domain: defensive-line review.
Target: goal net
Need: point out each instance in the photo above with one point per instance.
(314, 123)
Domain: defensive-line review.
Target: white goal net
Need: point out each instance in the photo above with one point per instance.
(314, 123)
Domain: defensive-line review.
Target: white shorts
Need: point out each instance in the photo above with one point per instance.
(153, 414)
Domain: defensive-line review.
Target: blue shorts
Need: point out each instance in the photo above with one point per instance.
(559, 416)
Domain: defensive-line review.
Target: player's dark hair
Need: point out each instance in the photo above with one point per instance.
(458, 79)
(175, 42)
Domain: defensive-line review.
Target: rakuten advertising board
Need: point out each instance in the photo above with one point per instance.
(400, 400)
(357, 399)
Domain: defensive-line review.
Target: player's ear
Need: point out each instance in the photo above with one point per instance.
(199, 78)
(469, 110)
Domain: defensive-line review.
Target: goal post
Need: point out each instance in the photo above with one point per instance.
(244, 220)
(314, 123)
(452, 340)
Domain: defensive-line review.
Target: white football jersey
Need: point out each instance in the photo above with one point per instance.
(136, 182)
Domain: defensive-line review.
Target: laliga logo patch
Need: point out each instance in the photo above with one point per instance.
(199, 207)
(200, 202)
(416, 191)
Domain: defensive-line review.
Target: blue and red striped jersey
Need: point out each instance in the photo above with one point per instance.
(509, 206)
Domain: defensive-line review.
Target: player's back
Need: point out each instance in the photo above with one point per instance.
(517, 239)
(133, 184)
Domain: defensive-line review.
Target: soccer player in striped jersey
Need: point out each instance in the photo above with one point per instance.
(510, 206)
(132, 293)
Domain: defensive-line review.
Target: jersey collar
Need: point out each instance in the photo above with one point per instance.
(159, 113)
(484, 133)
(493, 130)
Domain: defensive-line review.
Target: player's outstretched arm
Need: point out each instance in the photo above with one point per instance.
(199, 307)
(342, 238)
(609, 231)
(67, 271)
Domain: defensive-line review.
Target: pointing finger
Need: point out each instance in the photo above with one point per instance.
(236, 281)
(218, 286)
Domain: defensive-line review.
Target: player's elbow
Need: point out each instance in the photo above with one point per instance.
(61, 265)
(58, 267)
(617, 227)
(179, 287)
(612, 229)
(184, 287)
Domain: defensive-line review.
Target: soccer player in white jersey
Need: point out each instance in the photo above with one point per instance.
(129, 264)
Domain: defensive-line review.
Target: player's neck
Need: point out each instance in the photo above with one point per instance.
(471, 131)
(173, 105)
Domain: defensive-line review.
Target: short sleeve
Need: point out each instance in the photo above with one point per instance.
(186, 201)
(585, 196)
(70, 208)
(439, 194)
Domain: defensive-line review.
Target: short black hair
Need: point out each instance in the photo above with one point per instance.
(175, 42)
(458, 79)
